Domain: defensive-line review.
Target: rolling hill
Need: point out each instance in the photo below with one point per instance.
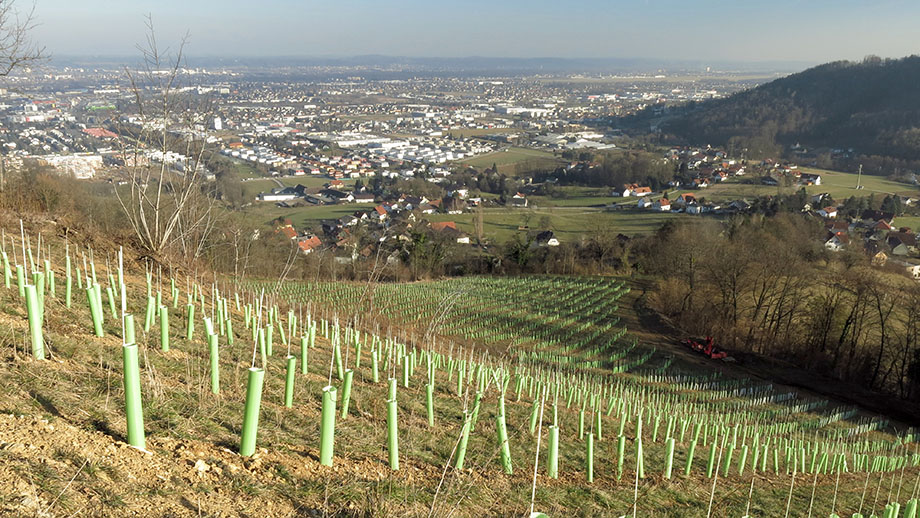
(870, 106)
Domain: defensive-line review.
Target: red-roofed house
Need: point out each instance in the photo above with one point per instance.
(99, 133)
(633, 189)
(828, 212)
(288, 232)
(308, 245)
(663, 205)
(441, 225)
(685, 199)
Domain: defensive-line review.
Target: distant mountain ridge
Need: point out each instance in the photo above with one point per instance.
(872, 106)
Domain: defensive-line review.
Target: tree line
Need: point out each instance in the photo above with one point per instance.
(765, 285)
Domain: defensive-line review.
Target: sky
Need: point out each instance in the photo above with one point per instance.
(696, 30)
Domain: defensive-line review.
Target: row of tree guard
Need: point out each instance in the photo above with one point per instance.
(737, 438)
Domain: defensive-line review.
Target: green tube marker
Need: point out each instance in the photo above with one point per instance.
(327, 430)
(128, 322)
(214, 355)
(504, 446)
(669, 457)
(164, 328)
(590, 458)
(690, 452)
(303, 354)
(429, 403)
(251, 414)
(553, 458)
(346, 391)
(21, 280)
(35, 322)
(290, 365)
(190, 322)
(392, 437)
(464, 440)
(132, 385)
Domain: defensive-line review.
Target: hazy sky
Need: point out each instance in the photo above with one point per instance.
(738, 30)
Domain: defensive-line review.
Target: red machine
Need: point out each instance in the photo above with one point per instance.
(707, 348)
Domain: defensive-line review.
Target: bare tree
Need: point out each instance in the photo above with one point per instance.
(17, 50)
(164, 155)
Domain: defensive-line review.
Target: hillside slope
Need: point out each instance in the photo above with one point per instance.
(871, 106)
(63, 425)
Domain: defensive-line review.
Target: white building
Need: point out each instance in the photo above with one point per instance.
(81, 166)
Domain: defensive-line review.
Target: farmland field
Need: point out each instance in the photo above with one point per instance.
(418, 399)
(513, 155)
(568, 223)
(842, 185)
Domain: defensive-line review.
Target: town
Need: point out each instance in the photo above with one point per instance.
(473, 160)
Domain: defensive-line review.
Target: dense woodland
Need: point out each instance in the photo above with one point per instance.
(869, 106)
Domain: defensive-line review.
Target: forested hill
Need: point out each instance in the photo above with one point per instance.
(872, 106)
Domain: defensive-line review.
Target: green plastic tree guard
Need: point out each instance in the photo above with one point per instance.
(327, 429)
(35, 322)
(690, 450)
(190, 322)
(464, 440)
(392, 437)
(346, 391)
(590, 458)
(251, 414)
(133, 410)
(303, 354)
(94, 311)
(553, 457)
(214, 355)
(164, 328)
(669, 457)
(429, 403)
(290, 369)
(504, 447)
(128, 323)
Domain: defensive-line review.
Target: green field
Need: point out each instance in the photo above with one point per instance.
(302, 217)
(568, 223)
(572, 196)
(838, 184)
(912, 222)
(843, 185)
(514, 155)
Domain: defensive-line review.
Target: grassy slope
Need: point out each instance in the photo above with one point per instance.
(78, 392)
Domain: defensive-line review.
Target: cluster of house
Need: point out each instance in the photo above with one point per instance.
(706, 165)
(385, 221)
(331, 193)
(393, 219)
(686, 202)
(796, 177)
(875, 232)
(339, 167)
